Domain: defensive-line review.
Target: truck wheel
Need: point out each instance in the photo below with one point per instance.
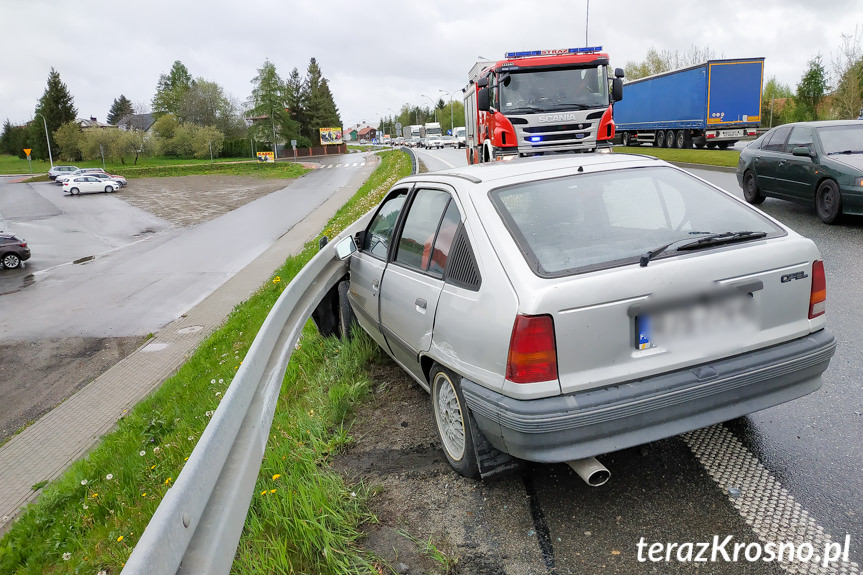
(751, 192)
(625, 139)
(683, 140)
(451, 421)
(660, 139)
(670, 139)
(722, 145)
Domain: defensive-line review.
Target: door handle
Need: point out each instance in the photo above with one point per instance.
(376, 283)
(420, 303)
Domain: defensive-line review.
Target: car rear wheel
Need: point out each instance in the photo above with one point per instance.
(11, 261)
(828, 202)
(751, 191)
(452, 423)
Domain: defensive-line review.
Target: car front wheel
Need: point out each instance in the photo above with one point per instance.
(452, 423)
(828, 202)
(74, 191)
(751, 192)
(11, 261)
(109, 189)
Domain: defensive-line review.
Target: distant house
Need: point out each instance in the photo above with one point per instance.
(140, 122)
(367, 134)
(92, 123)
(351, 136)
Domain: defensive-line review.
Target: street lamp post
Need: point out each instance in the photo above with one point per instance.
(392, 122)
(433, 106)
(45, 123)
(451, 116)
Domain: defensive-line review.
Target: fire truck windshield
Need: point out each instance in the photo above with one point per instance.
(528, 91)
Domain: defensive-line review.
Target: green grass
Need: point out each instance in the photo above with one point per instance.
(304, 518)
(726, 158)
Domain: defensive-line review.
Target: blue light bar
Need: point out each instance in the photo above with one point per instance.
(561, 52)
(535, 138)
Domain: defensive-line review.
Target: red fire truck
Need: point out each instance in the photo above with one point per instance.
(540, 102)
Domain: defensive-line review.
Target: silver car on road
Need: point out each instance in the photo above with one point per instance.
(561, 308)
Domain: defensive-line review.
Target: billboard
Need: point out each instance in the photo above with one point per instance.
(266, 157)
(331, 136)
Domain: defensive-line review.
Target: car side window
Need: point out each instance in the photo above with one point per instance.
(443, 240)
(777, 140)
(379, 233)
(421, 225)
(801, 136)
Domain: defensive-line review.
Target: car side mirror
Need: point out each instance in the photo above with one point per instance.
(802, 151)
(345, 247)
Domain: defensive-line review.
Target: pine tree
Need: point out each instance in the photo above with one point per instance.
(56, 107)
(273, 123)
(171, 91)
(320, 108)
(121, 108)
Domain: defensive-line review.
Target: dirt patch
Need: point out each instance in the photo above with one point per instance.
(430, 519)
(191, 200)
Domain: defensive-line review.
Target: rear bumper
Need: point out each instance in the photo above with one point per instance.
(599, 421)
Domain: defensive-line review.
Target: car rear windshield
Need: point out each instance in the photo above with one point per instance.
(592, 221)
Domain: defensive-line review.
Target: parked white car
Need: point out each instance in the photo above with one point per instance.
(56, 171)
(86, 184)
(79, 172)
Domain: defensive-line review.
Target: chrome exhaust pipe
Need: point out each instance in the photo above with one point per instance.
(591, 471)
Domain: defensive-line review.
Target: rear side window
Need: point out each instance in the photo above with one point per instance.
(592, 221)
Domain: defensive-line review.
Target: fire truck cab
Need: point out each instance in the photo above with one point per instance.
(541, 102)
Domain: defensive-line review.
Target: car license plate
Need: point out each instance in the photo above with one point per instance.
(731, 133)
(696, 323)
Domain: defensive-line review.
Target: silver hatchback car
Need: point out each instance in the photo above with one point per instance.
(558, 309)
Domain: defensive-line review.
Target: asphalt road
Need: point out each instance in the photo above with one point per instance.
(103, 268)
(805, 453)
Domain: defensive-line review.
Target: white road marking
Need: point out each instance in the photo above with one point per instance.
(763, 503)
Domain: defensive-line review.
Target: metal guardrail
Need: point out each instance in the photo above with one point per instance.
(197, 526)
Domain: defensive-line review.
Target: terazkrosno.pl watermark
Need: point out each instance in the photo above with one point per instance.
(729, 551)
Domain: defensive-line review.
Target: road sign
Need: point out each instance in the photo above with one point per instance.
(27, 151)
(398, 125)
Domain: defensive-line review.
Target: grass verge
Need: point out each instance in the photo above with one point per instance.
(259, 170)
(15, 165)
(725, 158)
(303, 517)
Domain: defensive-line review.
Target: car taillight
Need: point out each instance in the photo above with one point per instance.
(532, 354)
(818, 295)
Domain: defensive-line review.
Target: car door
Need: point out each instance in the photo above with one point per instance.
(369, 261)
(91, 184)
(413, 281)
(766, 162)
(797, 175)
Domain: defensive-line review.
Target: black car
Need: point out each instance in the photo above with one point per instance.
(813, 163)
(13, 250)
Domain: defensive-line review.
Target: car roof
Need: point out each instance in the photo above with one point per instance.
(526, 169)
(824, 123)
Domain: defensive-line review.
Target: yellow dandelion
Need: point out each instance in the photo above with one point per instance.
(277, 279)
(120, 538)
(167, 481)
(95, 495)
(264, 492)
(143, 495)
(272, 490)
(276, 476)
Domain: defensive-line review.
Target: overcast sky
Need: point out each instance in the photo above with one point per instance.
(378, 54)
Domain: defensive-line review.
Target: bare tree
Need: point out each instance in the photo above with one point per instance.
(656, 62)
(847, 64)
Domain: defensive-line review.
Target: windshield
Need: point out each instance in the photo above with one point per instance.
(839, 139)
(592, 221)
(553, 90)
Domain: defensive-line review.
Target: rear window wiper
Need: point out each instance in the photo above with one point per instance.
(719, 239)
(708, 240)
